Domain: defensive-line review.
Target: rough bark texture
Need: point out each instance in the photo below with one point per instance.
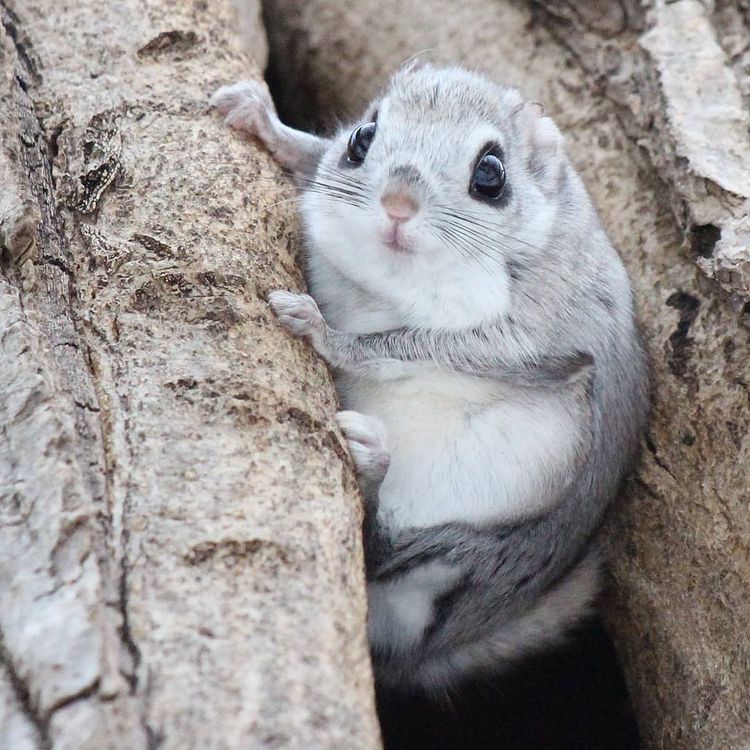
(180, 560)
(654, 104)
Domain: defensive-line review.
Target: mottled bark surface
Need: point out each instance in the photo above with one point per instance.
(180, 561)
(654, 105)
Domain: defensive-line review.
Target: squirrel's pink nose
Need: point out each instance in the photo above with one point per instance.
(399, 205)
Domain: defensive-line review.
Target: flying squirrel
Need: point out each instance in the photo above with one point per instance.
(480, 328)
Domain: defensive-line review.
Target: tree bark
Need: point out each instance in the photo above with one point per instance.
(654, 101)
(180, 555)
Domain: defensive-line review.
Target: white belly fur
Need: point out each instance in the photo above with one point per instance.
(466, 449)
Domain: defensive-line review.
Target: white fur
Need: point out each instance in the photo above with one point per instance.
(463, 449)
(402, 608)
(432, 285)
(448, 294)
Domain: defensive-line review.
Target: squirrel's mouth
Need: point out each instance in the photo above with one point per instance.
(394, 239)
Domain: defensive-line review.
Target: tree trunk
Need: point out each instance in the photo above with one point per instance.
(654, 101)
(180, 558)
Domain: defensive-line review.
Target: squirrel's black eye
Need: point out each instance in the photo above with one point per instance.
(359, 143)
(488, 180)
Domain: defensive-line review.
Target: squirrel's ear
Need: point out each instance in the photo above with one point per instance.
(545, 141)
(544, 136)
(413, 64)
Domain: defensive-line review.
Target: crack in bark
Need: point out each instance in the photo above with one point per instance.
(82, 694)
(126, 634)
(88, 407)
(23, 696)
(651, 447)
(107, 419)
(154, 737)
(24, 49)
(58, 263)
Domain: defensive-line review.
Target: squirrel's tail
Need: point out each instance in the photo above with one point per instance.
(541, 626)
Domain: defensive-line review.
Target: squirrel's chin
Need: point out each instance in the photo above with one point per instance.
(395, 241)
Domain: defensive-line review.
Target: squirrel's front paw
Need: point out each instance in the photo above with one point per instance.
(298, 313)
(247, 105)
